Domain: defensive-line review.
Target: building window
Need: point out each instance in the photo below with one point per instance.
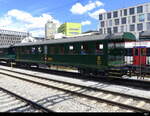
(122, 28)
(140, 9)
(115, 29)
(73, 33)
(100, 17)
(141, 18)
(102, 24)
(120, 12)
(125, 12)
(110, 22)
(131, 11)
(146, 7)
(74, 29)
(115, 14)
(101, 31)
(129, 19)
(133, 19)
(109, 30)
(140, 27)
(116, 21)
(132, 27)
(148, 16)
(123, 20)
(108, 15)
(104, 30)
(148, 25)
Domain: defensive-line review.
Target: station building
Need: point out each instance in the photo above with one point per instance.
(70, 29)
(133, 19)
(8, 37)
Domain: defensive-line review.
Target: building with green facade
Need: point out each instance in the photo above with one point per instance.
(70, 29)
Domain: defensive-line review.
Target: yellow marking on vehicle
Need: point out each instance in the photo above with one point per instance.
(98, 60)
(50, 59)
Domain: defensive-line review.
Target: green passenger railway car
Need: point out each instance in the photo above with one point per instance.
(91, 54)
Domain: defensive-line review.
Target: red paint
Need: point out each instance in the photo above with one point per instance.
(139, 56)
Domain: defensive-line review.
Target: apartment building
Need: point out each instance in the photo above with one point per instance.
(133, 19)
(70, 29)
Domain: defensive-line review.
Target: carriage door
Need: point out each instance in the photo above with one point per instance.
(139, 56)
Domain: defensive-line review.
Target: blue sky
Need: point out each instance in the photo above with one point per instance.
(31, 15)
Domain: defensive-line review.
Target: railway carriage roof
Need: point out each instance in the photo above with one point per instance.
(145, 34)
(5, 46)
(103, 37)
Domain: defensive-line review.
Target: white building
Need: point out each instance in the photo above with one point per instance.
(28, 39)
(8, 37)
(50, 30)
(132, 19)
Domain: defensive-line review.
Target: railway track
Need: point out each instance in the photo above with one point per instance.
(11, 102)
(144, 84)
(140, 84)
(129, 102)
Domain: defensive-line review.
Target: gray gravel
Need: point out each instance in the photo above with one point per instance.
(56, 100)
(62, 102)
(9, 103)
(112, 87)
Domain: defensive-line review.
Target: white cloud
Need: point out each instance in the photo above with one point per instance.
(78, 8)
(23, 21)
(20, 15)
(5, 21)
(85, 22)
(99, 3)
(95, 14)
(38, 32)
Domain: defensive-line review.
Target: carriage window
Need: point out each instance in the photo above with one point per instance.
(27, 50)
(143, 52)
(33, 50)
(39, 50)
(13, 50)
(10, 51)
(1, 51)
(61, 49)
(128, 52)
(21, 50)
(52, 50)
(84, 49)
(148, 51)
(119, 45)
(99, 48)
(45, 49)
(71, 47)
(111, 45)
(136, 52)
